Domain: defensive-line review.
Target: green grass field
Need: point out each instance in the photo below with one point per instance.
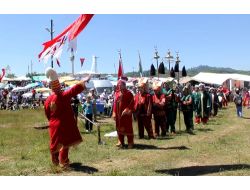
(219, 148)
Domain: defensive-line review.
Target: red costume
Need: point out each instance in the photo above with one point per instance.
(159, 113)
(63, 129)
(143, 109)
(124, 103)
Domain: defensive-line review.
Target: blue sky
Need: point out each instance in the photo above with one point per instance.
(214, 40)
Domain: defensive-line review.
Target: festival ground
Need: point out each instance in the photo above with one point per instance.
(219, 148)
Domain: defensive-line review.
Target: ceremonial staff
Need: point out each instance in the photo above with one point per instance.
(156, 57)
(176, 69)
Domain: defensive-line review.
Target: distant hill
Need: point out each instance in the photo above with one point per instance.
(195, 70)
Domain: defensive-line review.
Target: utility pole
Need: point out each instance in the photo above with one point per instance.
(51, 31)
(51, 36)
(31, 65)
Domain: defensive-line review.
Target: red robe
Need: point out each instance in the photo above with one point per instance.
(122, 102)
(143, 109)
(63, 129)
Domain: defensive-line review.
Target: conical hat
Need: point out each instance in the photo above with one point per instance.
(53, 77)
(142, 82)
(157, 85)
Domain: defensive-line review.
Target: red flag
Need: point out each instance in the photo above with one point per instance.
(120, 69)
(79, 25)
(3, 73)
(71, 31)
(82, 61)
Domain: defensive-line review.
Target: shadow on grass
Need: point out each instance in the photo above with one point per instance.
(41, 127)
(180, 133)
(202, 170)
(80, 168)
(243, 117)
(152, 147)
(204, 129)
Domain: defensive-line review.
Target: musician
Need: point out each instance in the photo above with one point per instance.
(159, 110)
(214, 101)
(170, 107)
(203, 108)
(143, 109)
(63, 130)
(187, 109)
(122, 114)
(196, 97)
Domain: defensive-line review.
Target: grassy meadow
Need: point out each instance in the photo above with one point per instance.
(219, 148)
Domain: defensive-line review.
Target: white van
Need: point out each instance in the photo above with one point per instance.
(101, 85)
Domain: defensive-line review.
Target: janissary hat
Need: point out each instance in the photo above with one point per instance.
(142, 82)
(53, 77)
(157, 85)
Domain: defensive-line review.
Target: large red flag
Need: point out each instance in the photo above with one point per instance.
(3, 73)
(71, 32)
(82, 61)
(79, 25)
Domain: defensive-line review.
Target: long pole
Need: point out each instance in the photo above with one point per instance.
(157, 68)
(51, 37)
(178, 62)
(179, 103)
(72, 58)
(157, 57)
(97, 125)
(169, 67)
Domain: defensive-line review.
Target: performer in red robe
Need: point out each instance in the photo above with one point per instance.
(143, 109)
(122, 114)
(63, 129)
(158, 110)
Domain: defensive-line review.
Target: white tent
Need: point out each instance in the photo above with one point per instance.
(22, 78)
(211, 78)
(229, 80)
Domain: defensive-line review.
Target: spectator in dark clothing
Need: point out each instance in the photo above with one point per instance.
(74, 104)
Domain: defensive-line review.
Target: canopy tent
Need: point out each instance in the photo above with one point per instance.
(71, 83)
(215, 78)
(229, 80)
(165, 80)
(40, 78)
(240, 77)
(38, 90)
(33, 85)
(66, 78)
(22, 78)
(19, 89)
(211, 78)
(6, 79)
(184, 80)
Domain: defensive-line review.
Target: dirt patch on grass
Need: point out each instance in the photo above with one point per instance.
(3, 158)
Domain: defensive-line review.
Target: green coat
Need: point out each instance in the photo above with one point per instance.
(203, 106)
